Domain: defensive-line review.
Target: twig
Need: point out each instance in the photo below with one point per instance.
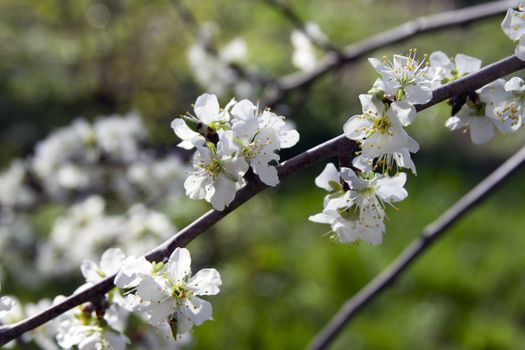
(352, 53)
(296, 164)
(429, 236)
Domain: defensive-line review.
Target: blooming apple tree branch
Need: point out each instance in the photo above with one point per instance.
(335, 146)
(407, 258)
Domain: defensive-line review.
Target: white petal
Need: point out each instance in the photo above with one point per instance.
(235, 167)
(513, 25)
(90, 270)
(390, 189)
(457, 122)
(520, 48)
(184, 322)
(195, 185)
(150, 290)
(111, 261)
(132, 272)
(199, 310)
(184, 132)
(227, 145)
(205, 282)
(245, 128)
(288, 138)
(403, 111)
(328, 176)
(440, 59)
(356, 128)
(515, 84)
(466, 64)
(322, 218)
(267, 173)
(244, 110)
(178, 266)
(481, 130)
(371, 104)
(207, 108)
(415, 94)
(6, 305)
(224, 192)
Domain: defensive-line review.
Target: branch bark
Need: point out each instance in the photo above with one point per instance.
(429, 236)
(354, 52)
(296, 164)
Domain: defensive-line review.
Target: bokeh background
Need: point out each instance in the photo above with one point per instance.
(283, 279)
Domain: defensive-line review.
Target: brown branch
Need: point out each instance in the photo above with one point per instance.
(354, 52)
(296, 164)
(429, 236)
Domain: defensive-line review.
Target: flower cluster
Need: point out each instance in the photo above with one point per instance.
(514, 27)
(499, 104)
(100, 157)
(228, 142)
(355, 206)
(167, 294)
(87, 224)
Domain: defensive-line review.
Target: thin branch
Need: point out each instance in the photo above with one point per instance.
(299, 24)
(354, 52)
(333, 147)
(429, 236)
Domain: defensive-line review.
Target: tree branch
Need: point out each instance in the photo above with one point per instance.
(353, 52)
(429, 236)
(330, 148)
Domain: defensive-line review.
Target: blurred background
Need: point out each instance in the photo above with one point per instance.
(283, 278)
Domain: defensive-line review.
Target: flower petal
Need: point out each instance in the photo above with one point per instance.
(205, 282)
(178, 266)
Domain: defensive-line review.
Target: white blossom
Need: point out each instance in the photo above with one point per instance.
(513, 26)
(13, 190)
(304, 55)
(119, 137)
(109, 265)
(454, 69)
(218, 171)
(358, 213)
(207, 112)
(214, 72)
(260, 136)
(480, 127)
(405, 78)
(6, 304)
(380, 131)
(168, 293)
(505, 103)
(83, 329)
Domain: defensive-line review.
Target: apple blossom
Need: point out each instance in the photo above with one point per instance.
(380, 131)
(357, 213)
(207, 115)
(168, 293)
(405, 78)
(513, 26)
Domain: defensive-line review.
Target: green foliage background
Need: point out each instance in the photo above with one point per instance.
(282, 278)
